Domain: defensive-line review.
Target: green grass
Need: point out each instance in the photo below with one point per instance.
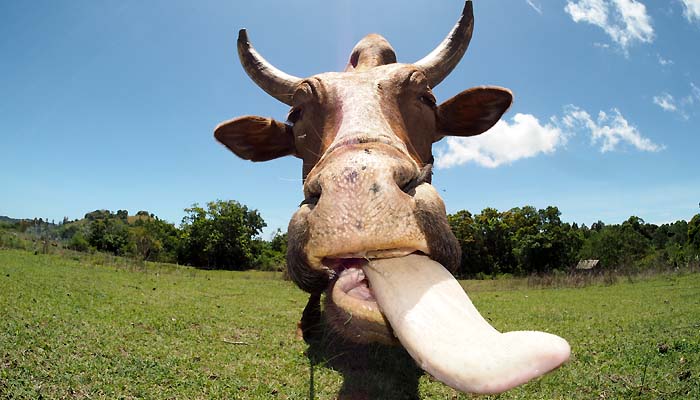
(100, 327)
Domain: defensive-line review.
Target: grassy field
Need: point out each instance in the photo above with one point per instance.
(99, 327)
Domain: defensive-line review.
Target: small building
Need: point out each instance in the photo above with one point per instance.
(587, 265)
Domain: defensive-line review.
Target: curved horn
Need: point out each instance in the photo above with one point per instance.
(270, 79)
(441, 61)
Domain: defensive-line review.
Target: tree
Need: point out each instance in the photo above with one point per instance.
(694, 232)
(109, 234)
(154, 239)
(222, 236)
(272, 254)
(616, 246)
(497, 242)
(471, 242)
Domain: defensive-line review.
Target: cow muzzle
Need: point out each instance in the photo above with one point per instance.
(365, 205)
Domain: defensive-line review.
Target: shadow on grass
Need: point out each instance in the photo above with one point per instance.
(369, 371)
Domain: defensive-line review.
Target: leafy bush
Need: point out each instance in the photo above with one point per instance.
(78, 242)
(220, 237)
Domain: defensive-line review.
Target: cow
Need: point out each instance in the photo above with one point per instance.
(371, 234)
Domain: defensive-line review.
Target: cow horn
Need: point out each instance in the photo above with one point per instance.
(270, 79)
(441, 61)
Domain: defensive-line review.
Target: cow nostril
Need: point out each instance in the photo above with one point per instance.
(312, 200)
(312, 192)
(424, 176)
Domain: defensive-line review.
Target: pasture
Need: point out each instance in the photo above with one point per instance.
(80, 326)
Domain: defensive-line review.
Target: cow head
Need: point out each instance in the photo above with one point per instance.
(372, 232)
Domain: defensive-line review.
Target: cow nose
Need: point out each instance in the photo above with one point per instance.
(362, 174)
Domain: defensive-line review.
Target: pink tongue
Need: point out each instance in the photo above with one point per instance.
(439, 326)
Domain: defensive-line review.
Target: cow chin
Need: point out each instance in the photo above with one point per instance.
(350, 308)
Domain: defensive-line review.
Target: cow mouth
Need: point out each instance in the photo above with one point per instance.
(411, 299)
(351, 306)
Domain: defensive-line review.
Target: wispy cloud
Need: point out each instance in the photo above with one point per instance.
(695, 91)
(664, 61)
(666, 101)
(525, 137)
(609, 130)
(536, 7)
(692, 10)
(625, 21)
(505, 143)
(683, 105)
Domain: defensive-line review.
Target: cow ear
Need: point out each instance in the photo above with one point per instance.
(472, 112)
(256, 138)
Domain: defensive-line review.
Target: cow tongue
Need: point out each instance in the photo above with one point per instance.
(444, 333)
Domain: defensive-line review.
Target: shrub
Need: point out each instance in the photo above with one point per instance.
(78, 242)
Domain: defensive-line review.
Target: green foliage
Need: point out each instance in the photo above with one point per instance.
(518, 241)
(475, 254)
(221, 237)
(525, 240)
(14, 240)
(78, 242)
(224, 235)
(154, 239)
(272, 254)
(694, 232)
(617, 246)
(109, 233)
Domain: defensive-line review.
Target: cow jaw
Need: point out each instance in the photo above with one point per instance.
(443, 332)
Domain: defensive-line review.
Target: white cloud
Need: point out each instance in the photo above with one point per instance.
(625, 21)
(692, 9)
(695, 91)
(666, 101)
(526, 137)
(506, 142)
(663, 61)
(683, 105)
(534, 6)
(612, 130)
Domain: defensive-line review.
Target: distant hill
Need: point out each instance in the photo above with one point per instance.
(7, 219)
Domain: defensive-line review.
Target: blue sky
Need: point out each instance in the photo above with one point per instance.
(111, 105)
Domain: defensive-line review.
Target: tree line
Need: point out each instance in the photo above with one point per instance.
(221, 235)
(520, 241)
(526, 240)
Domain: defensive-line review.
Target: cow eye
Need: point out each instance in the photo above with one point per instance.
(294, 115)
(429, 100)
